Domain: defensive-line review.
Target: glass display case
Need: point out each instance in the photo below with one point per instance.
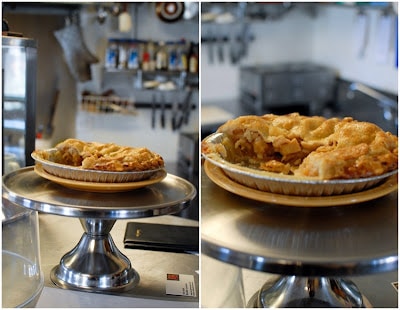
(18, 100)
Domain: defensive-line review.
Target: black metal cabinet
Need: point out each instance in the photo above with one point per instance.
(284, 85)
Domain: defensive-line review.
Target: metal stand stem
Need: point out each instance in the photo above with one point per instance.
(95, 264)
(305, 292)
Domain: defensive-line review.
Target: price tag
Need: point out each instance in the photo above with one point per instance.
(181, 285)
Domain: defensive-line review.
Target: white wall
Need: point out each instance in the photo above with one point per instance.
(133, 130)
(287, 39)
(326, 39)
(335, 34)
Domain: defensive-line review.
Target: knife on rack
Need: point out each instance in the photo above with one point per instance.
(162, 111)
(175, 106)
(153, 111)
(185, 110)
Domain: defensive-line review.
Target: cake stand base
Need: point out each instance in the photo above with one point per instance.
(306, 292)
(95, 264)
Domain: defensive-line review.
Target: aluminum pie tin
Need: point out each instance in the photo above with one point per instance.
(288, 184)
(88, 175)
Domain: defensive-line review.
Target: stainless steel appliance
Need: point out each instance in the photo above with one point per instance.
(365, 103)
(19, 98)
(267, 87)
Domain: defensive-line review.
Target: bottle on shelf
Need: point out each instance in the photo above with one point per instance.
(141, 51)
(194, 59)
(133, 58)
(182, 56)
(162, 57)
(152, 57)
(123, 54)
(112, 52)
(172, 57)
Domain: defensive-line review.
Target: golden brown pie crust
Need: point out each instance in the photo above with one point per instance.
(106, 156)
(309, 146)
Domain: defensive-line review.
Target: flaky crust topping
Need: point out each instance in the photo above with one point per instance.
(106, 156)
(314, 146)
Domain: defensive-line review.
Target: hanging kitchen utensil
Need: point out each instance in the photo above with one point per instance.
(360, 34)
(220, 47)
(162, 116)
(174, 112)
(245, 39)
(101, 15)
(191, 10)
(50, 123)
(153, 111)
(77, 55)
(233, 46)
(384, 37)
(170, 11)
(210, 48)
(185, 110)
(188, 106)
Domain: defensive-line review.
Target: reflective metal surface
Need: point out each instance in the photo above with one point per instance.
(336, 241)
(19, 85)
(96, 264)
(85, 268)
(26, 188)
(60, 234)
(302, 292)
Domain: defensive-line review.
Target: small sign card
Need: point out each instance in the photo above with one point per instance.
(181, 285)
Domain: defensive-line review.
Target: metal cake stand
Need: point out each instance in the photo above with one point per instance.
(312, 250)
(95, 263)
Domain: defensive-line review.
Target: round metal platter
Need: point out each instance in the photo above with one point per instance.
(26, 188)
(352, 240)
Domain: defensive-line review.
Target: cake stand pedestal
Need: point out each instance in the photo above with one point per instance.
(308, 292)
(95, 263)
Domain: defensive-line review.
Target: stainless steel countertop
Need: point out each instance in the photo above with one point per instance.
(357, 239)
(59, 234)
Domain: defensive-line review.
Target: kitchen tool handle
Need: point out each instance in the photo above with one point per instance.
(153, 112)
(162, 111)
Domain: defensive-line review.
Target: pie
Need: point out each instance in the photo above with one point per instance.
(105, 156)
(307, 146)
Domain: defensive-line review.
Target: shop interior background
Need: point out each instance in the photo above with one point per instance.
(358, 41)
